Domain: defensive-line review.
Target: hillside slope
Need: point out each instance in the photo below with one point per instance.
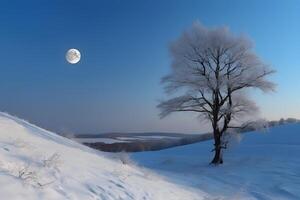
(263, 165)
(38, 164)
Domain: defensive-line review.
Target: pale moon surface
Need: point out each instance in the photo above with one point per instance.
(73, 56)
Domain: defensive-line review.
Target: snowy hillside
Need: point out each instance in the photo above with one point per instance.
(262, 166)
(37, 164)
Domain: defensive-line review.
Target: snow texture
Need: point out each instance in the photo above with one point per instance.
(258, 165)
(38, 164)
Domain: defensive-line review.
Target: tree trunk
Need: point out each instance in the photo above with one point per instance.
(218, 150)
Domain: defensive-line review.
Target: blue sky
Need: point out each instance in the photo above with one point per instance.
(115, 87)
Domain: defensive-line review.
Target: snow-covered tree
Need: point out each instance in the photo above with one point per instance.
(211, 72)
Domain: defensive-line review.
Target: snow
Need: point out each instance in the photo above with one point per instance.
(263, 165)
(38, 164)
(103, 140)
(157, 137)
(124, 139)
(147, 137)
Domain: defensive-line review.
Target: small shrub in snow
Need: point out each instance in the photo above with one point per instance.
(27, 174)
(124, 158)
(34, 177)
(38, 175)
(53, 161)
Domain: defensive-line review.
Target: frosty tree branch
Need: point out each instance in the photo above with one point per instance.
(212, 69)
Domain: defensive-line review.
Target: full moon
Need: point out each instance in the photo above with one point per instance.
(73, 56)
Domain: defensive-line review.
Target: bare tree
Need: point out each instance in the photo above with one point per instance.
(212, 70)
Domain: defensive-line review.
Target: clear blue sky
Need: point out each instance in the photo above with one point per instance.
(116, 86)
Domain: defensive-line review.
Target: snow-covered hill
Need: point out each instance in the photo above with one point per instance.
(263, 165)
(38, 164)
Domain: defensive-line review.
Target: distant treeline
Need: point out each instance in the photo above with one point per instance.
(154, 145)
(149, 145)
(283, 121)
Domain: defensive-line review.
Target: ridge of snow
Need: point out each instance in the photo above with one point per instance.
(38, 164)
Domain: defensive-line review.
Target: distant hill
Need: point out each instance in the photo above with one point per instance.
(153, 141)
(133, 142)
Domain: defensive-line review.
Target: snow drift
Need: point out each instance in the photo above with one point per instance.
(263, 165)
(38, 164)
